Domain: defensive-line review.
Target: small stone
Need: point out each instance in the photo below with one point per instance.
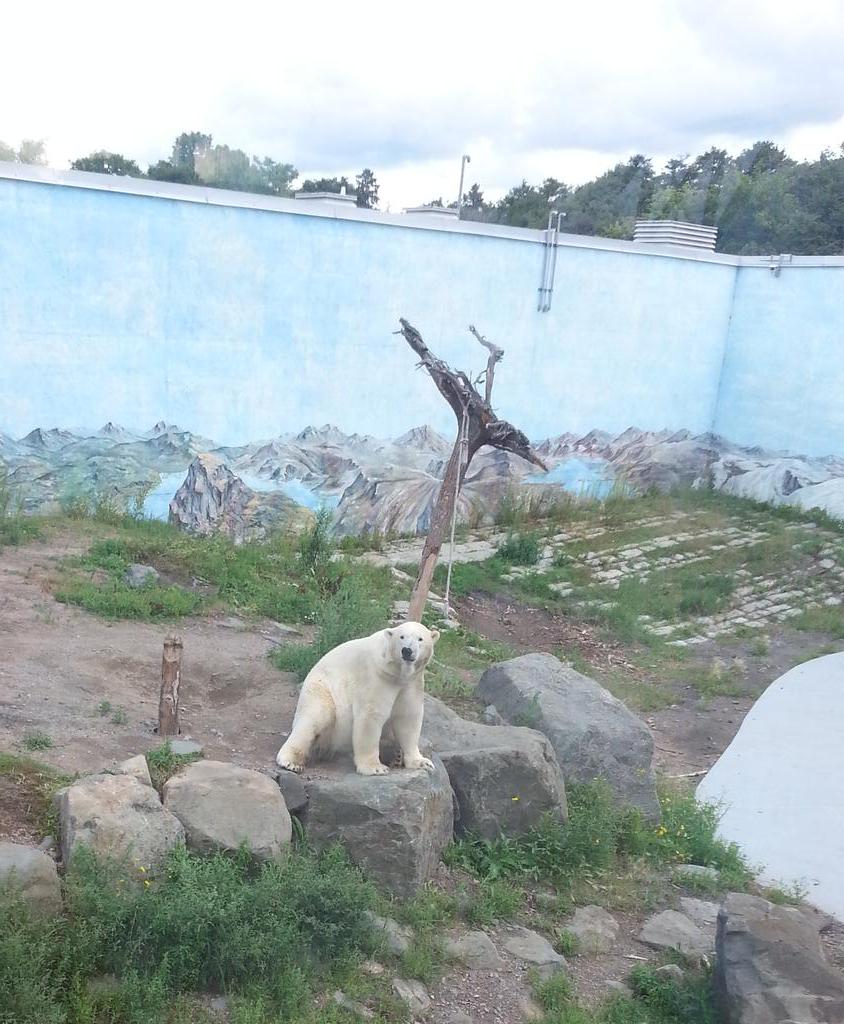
(395, 937)
(136, 766)
(373, 968)
(184, 747)
(594, 929)
(49, 846)
(671, 971)
(293, 790)
(475, 950)
(702, 912)
(691, 873)
(671, 930)
(618, 988)
(462, 1018)
(140, 575)
(414, 993)
(32, 873)
(219, 1004)
(535, 949)
(342, 1000)
(490, 716)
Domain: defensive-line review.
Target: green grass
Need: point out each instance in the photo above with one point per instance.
(36, 740)
(14, 527)
(598, 837)
(492, 901)
(115, 599)
(821, 620)
(360, 606)
(163, 763)
(520, 549)
(268, 938)
(33, 785)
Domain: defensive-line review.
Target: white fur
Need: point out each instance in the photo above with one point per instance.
(357, 689)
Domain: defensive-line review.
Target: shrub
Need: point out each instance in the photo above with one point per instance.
(520, 549)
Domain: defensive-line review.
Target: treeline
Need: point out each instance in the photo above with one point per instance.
(196, 160)
(762, 201)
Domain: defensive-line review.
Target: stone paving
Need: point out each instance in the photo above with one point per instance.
(669, 542)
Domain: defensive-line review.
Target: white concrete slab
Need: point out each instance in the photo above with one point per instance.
(781, 783)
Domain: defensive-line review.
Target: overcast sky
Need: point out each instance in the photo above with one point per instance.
(530, 90)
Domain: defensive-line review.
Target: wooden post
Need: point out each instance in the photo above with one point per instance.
(171, 677)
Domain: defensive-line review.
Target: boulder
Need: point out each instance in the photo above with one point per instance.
(394, 827)
(475, 950)
(675, 931)
(185, 747)
(504, 778)
(770, 966)
(140, 575)
(594, 929)
(593, 734)
(32, 874)
(671, 971)
(117, 816)
(136, 766)
(695, 875)
(533, 949)
(223, 807)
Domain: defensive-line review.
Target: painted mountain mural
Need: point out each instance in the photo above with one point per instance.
(374, 484)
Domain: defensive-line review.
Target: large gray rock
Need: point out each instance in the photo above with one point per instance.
(671, 930)
(702, 912)
(117, 816)
(394, 827)
(770, 966)
(504, 778)
(136, 766)
(223, 807)
(414, 994)
(140, 575)
(32, 874)
(395, 938)
(593, 734)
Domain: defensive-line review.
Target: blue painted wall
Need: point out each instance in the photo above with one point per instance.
(240, 324)
(782, 385)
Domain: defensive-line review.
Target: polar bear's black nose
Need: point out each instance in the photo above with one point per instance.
(407, 654)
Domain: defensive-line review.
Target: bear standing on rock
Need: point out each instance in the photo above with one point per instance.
(355, 690)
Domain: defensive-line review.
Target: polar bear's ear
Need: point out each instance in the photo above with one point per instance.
(389, 632)
(435, 635)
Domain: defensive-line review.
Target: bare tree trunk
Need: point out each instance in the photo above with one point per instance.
(171, 678)
(482, 427)
(440, 520)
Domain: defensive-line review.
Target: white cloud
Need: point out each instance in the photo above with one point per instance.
(529, 91)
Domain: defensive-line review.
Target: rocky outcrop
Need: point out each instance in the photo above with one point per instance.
(505, 778)
(594, 735)
(770, 967)
(225, 807)
(117, 816)
(394, 827)
(213, 500)
(31, 874)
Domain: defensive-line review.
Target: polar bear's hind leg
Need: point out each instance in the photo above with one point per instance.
(313, 726)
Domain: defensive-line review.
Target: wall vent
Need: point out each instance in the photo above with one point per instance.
(676, 232)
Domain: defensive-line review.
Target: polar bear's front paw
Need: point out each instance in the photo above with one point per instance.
(419, 762)
(284, 760)
(372, 769)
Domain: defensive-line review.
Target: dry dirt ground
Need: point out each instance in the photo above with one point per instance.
(59, 663)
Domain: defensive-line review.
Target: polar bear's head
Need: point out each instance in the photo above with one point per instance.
(411, 643)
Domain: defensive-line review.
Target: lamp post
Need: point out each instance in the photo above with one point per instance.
(466, 159)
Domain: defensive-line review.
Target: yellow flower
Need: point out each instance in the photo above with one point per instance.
(514, 798)
(146, 883)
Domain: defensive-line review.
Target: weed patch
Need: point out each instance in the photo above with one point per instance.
(163, 763)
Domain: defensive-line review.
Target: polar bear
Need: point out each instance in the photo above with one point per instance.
(355, 690)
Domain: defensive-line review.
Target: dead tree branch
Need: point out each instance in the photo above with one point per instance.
(482, 427)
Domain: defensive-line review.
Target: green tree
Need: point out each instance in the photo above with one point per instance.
(104, 162)
(367, 189)
(327, 185)
(30, 151)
